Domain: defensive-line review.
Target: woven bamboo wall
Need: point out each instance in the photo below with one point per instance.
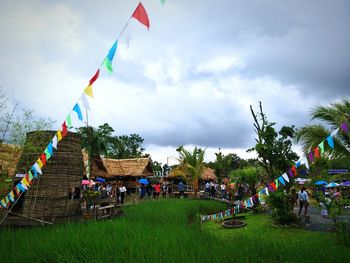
(48, 197)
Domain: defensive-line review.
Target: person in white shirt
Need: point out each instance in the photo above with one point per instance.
(303, 201)
(223, 190)
(122, 191)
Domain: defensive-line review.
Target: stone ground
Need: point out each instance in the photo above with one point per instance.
(317, 222)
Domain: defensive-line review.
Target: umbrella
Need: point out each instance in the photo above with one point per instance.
(85, 182)
(143, 181)
(320, 183)
(101, 180)
(332, 184)
(345, 183)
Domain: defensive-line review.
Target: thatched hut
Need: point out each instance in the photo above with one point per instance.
(127, 171)
(50, 197)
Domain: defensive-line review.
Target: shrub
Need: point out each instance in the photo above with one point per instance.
(282, 208)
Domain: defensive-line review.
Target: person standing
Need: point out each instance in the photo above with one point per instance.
(157, 190)
(181, 189)
(164, 190)
(122, 191)
(303, 201)
(223, 190)
(207, 189)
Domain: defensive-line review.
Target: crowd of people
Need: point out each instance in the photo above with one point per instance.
(147, 190)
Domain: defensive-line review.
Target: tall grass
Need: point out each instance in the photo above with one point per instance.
(168, 231)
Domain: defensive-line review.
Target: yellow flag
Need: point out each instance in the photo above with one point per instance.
(40, 163)
(88, 91)
(59, 136)
(24, 181)
(12, 194)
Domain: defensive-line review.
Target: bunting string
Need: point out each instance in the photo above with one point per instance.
(10, 199)
(282, 180)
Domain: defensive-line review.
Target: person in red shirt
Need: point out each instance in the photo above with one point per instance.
(157, 190)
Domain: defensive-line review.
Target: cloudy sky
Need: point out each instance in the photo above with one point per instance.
(190, 79)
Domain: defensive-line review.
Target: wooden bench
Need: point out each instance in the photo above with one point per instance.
(106, 211)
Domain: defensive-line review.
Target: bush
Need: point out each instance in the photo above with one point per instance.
(282, 208)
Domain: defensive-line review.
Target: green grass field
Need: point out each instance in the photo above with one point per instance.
(169, 231)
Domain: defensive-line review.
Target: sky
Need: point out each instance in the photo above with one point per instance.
(188, 80)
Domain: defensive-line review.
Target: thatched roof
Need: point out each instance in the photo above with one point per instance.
(207, 174)
(110, 168)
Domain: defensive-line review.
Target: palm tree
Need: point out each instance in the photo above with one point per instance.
(312, 135)
(192, 164)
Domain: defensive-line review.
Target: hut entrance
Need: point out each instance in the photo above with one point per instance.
(52, 196)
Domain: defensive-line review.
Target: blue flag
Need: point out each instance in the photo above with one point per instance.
(112, 51)
(330, 141)
(281, 180)
(78, 111)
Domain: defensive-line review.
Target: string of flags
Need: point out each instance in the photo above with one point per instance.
(24, 184)
(284, 179)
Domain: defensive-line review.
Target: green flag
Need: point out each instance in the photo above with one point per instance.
(163, 2)
(108, 65)
(321, 145)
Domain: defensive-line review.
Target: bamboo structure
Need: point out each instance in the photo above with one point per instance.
(50, 198)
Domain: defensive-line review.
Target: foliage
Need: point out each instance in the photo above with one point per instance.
(224, 164)
(191, 164)
(282, 208)
(333, 115)
(122, 147)
(146, 235)
(249, 176)
(274, 149)
(90, 197)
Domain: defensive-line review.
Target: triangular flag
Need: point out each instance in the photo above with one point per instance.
(11, 196)
(281, 180)
(141, 15)
(17, 190)
(344, 127)
(78, 111)
(294, 170)
(311, 157)
(267, 191)
(43, 159)
(30, 176)
(290, 173)
(316, 152)
(330, 141)
(88, 91)
(108, 65)
(163, 2)
(95, 77)
(285, 177)
(69, 122)
(64, 129)
(59, 136)
(3, 203)
(7, 200)
(112, 51)
(321, 146)
(49, 151)
(21, 187)
(27, 178)
(273, 185)
(298, 164)
(34, 171)
(37, 168)
(333, 133)
(25, 182)
(85, 101)
(54, 142)
(276, 183)
(40, 162)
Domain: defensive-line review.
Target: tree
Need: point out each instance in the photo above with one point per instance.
(332, 116)
(249, 176)
(274, 149)
(192, 164)
(121, 147)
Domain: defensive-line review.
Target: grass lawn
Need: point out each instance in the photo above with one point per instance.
(169, 231)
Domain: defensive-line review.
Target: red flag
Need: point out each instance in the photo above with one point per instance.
(141, 15)
(16, 191)
(294, 170)
(273, 185)
(43, 158)
(317, 153)
(95, 77)
(29, 181)
(64, 129)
